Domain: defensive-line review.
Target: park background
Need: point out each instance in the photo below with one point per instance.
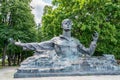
(17, 21)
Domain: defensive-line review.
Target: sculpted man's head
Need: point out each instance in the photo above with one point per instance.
(67, 24)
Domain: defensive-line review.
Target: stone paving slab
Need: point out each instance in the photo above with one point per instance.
(7, 74)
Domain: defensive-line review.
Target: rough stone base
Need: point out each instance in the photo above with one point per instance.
(103, 65)
(28, 75)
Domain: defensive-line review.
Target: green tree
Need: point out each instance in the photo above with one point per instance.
(17, 22)
(88, 16)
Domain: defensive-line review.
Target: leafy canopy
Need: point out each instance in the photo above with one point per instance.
(88, 16)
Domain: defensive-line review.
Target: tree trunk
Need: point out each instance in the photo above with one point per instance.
(14, 59)
(9, 59)
(4, 55)
(22, 56)
(18, 58)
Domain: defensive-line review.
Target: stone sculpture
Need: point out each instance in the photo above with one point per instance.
(64, 55)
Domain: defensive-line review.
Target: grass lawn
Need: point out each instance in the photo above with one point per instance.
(0, 67)
(0, 64)
(6, 62)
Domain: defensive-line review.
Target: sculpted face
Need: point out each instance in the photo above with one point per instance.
(67, 24)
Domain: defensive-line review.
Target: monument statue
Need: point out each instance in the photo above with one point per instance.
(64, 55)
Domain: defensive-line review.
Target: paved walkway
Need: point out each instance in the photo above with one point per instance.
(7, 74)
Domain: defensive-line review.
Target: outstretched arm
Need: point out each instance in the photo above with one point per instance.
(92, 46)
(47, 45)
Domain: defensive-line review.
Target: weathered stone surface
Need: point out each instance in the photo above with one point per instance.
(65, 56)
(102, 65)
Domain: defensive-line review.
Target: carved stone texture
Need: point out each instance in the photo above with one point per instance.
(65, 56)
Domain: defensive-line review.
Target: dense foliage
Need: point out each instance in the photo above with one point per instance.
(88, 16)
(17, 22)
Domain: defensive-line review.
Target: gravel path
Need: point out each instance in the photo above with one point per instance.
(7, 74)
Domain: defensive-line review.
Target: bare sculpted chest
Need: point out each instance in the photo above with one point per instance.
(66, 47)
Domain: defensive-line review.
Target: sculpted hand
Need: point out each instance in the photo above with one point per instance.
(11, 40)
(18, 43)
(95, 36)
